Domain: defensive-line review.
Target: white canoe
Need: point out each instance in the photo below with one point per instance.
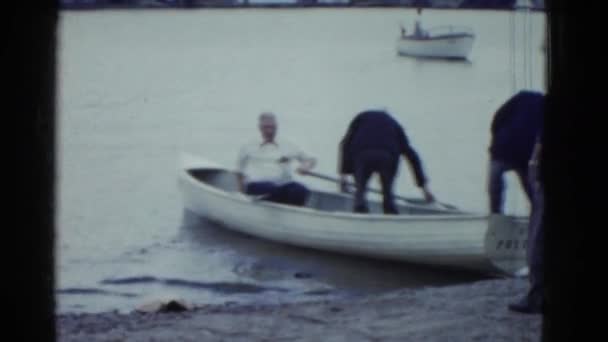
(422, 234)
(441, 42)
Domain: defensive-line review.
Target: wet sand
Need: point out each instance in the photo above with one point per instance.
(471, 312)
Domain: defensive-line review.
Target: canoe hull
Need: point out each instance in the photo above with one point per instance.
(459, 240)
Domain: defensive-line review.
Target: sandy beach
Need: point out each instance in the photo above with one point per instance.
(472, 312)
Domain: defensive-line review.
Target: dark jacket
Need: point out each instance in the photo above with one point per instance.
(515, 127)
(377, 130)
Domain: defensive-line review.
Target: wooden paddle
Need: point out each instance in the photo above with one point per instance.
(416, 201)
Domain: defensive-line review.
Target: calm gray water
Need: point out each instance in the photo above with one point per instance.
(138, 87)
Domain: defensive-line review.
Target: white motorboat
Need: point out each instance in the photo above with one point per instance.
(451, 42)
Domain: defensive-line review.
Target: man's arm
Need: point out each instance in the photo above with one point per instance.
(411, 156)
(534, 163)
(344, 159)
(307, 163)
(415, 165)
(344, 163)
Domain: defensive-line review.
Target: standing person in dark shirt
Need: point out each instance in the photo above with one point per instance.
(533, 301)
(373, 143)
(514, 129)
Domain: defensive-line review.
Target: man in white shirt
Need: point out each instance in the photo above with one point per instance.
(264, 166)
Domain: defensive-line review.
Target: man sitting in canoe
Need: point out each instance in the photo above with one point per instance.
(264, 166)
(373, 143)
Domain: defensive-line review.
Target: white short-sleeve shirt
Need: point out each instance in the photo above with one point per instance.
(261, 162)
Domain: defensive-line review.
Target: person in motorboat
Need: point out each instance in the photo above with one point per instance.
(514, 129)
(418, 31)
(265, 166)
(373, 143)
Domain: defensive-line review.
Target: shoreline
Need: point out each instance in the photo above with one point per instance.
(286, 6)
(472, 312)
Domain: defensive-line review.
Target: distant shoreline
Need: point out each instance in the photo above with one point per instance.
(280, 6)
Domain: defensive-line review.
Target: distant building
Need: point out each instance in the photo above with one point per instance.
(382, 2)
(82, 3)
(335, 1)
(498, 4)
(309, 3)
(474, 4)
(156, 3)
(210, 3)
(266, 2)
(539, 4)
(446, 3)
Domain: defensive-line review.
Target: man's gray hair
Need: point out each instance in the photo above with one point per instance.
(267, 115)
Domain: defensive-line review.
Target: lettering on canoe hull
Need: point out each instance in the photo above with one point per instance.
(506, 242)
(511, 244)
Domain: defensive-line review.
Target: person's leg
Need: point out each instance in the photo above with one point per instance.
(388, 170)
(535, 248)
(533, 300)
(496, 185)
(294, 193)
(263, 188)
(363, 171)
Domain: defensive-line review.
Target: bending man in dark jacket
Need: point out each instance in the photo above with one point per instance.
(373, 143)
(514, 129)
